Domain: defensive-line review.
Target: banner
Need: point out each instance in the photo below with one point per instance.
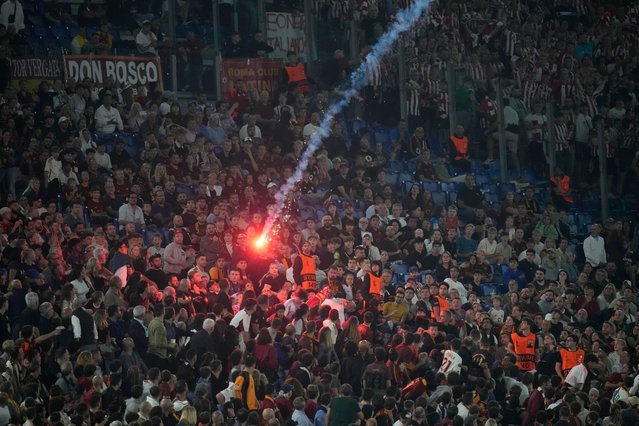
(36, 69)
(285, 32)
(126, 70)
(260, 73)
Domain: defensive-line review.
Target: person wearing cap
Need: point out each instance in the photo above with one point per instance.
(64, 128)
(146, 41)
(371, 251)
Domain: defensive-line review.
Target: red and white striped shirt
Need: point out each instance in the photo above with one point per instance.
(442, 105)
(488, 113)
(476, 71)
(414, 98)
(511, 38)
(563, 136)
(566, 91)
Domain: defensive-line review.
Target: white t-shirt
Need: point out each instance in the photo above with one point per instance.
(145, 40)
(243, 318)
(577, 375)
(620, 394)
(338, 304)
(488, 247)
(452, 363)
(309, 129)
(463, 293)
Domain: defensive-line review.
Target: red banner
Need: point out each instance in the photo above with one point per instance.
(260, 73)
(126, 70)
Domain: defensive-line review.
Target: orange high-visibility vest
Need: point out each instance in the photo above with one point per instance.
(525, 350)
(443, 304)
(309, 279)
(570, 359)
(461, 146)
(297, 75)
(564, 187)
(375, 287)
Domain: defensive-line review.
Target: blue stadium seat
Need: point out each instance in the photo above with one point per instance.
(431, 186)
(400, 268)
(492, 198)
(489, 289)
(395, 167)
(398, 279)
(407, 185)
(505, 187)
(448, 186)
(481, 180)
(452, 198)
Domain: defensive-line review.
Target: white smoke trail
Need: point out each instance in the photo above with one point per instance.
(404, 19)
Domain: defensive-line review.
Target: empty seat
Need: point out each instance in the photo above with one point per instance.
(430, 186)
(448, 186)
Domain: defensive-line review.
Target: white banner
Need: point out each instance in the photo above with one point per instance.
(126, 70)
(285, 32)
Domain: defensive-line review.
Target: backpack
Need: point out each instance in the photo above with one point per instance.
(245, 385)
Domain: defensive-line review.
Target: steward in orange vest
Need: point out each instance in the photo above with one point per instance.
(571, 357)
(525, 347)
(560, 189)
(295, 75)
(373, 282)
(458, 149)
(304, 269)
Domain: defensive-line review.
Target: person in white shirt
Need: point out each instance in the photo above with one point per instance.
(293, 304)
(242, 321)
(452, 362)
(107, 118)
(255, 132)
(489, 244)
(576, 377)
(454, 283)
(102, 157)
(53, 165)
(594, 248)
(146, 41)
(131, 212)
(67, 174)
(12, 16)
(313, 126)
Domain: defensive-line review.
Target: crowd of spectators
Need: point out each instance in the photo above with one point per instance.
(133, 291)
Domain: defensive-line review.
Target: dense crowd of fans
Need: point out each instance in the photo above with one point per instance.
(133, 291)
